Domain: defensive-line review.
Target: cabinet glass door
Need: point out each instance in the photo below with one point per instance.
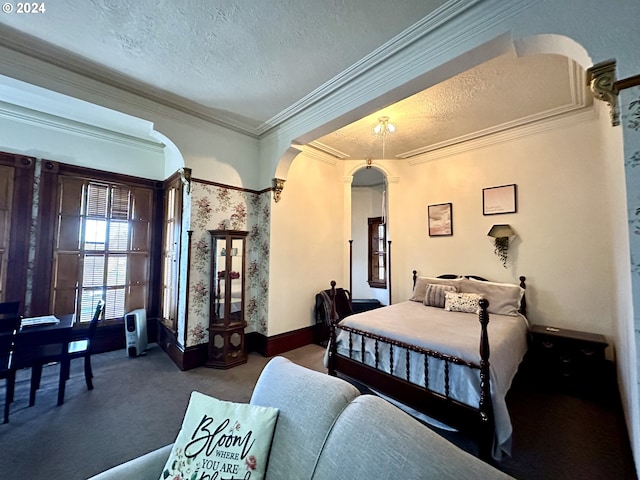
(235, 280)
(219, 276)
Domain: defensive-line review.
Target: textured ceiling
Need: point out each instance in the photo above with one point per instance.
(249, 58)
(503, 93)
(247, 63)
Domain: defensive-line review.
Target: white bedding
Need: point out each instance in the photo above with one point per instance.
(452, 333)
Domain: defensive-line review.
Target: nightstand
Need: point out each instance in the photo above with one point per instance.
(568, 360)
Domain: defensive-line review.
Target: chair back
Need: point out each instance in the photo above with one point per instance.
(9, 308)
(9, 327)
(94, 321)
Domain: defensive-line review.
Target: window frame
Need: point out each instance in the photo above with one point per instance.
(146, 285)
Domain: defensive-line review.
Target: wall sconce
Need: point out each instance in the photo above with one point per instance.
(502, 235)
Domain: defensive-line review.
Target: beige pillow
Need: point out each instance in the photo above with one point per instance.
(462, 302)
(434, 296)
(421, 286)
(503, 298)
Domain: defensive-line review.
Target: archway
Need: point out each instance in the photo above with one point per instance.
(369, 234)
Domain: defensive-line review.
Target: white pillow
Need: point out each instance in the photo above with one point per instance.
(503, 298)
(462, 302)
(221, 439)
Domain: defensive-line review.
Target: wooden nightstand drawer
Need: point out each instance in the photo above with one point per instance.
(567, 359)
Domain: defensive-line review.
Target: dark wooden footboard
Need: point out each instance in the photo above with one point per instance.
(477, 421)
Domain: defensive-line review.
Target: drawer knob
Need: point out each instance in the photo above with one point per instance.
(547, 344)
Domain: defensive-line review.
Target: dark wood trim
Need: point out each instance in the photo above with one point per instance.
(187, 292)
(278, 344)
(154, 295)
(231, 187)
(628, 82)
(184, 358)
(102, 175)
(18, 253)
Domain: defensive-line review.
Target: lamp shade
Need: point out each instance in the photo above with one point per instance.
(501, 231)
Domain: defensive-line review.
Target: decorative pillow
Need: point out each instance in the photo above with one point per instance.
(462, 302)
(421, 286)
(221, 439)
(434, 296)
(503, 298)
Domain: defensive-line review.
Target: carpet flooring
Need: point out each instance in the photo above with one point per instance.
(138, 404)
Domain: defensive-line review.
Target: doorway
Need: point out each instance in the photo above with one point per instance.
(369, 232)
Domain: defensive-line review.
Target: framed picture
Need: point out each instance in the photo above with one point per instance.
(496, 200)
(440, 220)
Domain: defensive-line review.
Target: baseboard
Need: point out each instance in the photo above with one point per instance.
(277, 344)
(192, 357)
(184, 358)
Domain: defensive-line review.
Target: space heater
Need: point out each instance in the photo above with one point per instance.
(135, 329)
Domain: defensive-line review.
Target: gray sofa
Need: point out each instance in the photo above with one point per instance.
(326, 430)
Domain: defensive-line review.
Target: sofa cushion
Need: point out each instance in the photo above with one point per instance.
(374, 439)
(308, 404)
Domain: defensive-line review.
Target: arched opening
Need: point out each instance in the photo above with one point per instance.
(369, 235)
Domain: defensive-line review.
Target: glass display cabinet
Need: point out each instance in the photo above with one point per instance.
(226, 317)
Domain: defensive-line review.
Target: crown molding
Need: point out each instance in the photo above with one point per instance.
(329, 150)
(316, 154)
(418, 30)
(406, 56)
(71, 127)
(33, 48)
(352, 88)
(461, 145)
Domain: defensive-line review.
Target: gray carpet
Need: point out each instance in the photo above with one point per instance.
(138, 404)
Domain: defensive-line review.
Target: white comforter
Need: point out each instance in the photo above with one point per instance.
(451, 333)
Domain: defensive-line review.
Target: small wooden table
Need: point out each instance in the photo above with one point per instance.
(30, 342)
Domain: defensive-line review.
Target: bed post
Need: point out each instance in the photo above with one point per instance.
(333, 318)
(486, 410)
(389, 267)
(523, 303)
(415, 277)
(351, 273)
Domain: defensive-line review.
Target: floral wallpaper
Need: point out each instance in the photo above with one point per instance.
(630, 110)
(215, 207)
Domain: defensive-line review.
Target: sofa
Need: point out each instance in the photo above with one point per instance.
(327, 430)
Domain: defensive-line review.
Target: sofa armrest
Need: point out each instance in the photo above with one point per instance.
(146, 467)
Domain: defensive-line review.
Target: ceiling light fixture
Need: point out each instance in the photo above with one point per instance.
(382, 130)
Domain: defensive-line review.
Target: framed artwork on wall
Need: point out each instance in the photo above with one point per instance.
(440, 220)
(497, 200)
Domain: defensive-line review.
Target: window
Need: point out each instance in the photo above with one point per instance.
(171, 255)
(102, 248)
(377, 253)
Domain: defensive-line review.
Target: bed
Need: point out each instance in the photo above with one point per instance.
(431, 353)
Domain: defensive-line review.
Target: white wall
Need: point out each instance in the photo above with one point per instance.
(565, 245)
(307, 250)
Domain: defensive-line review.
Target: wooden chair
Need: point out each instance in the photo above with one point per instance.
(9, 326)
(81, 347)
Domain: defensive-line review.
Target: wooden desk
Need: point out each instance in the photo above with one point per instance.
(41, 343)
